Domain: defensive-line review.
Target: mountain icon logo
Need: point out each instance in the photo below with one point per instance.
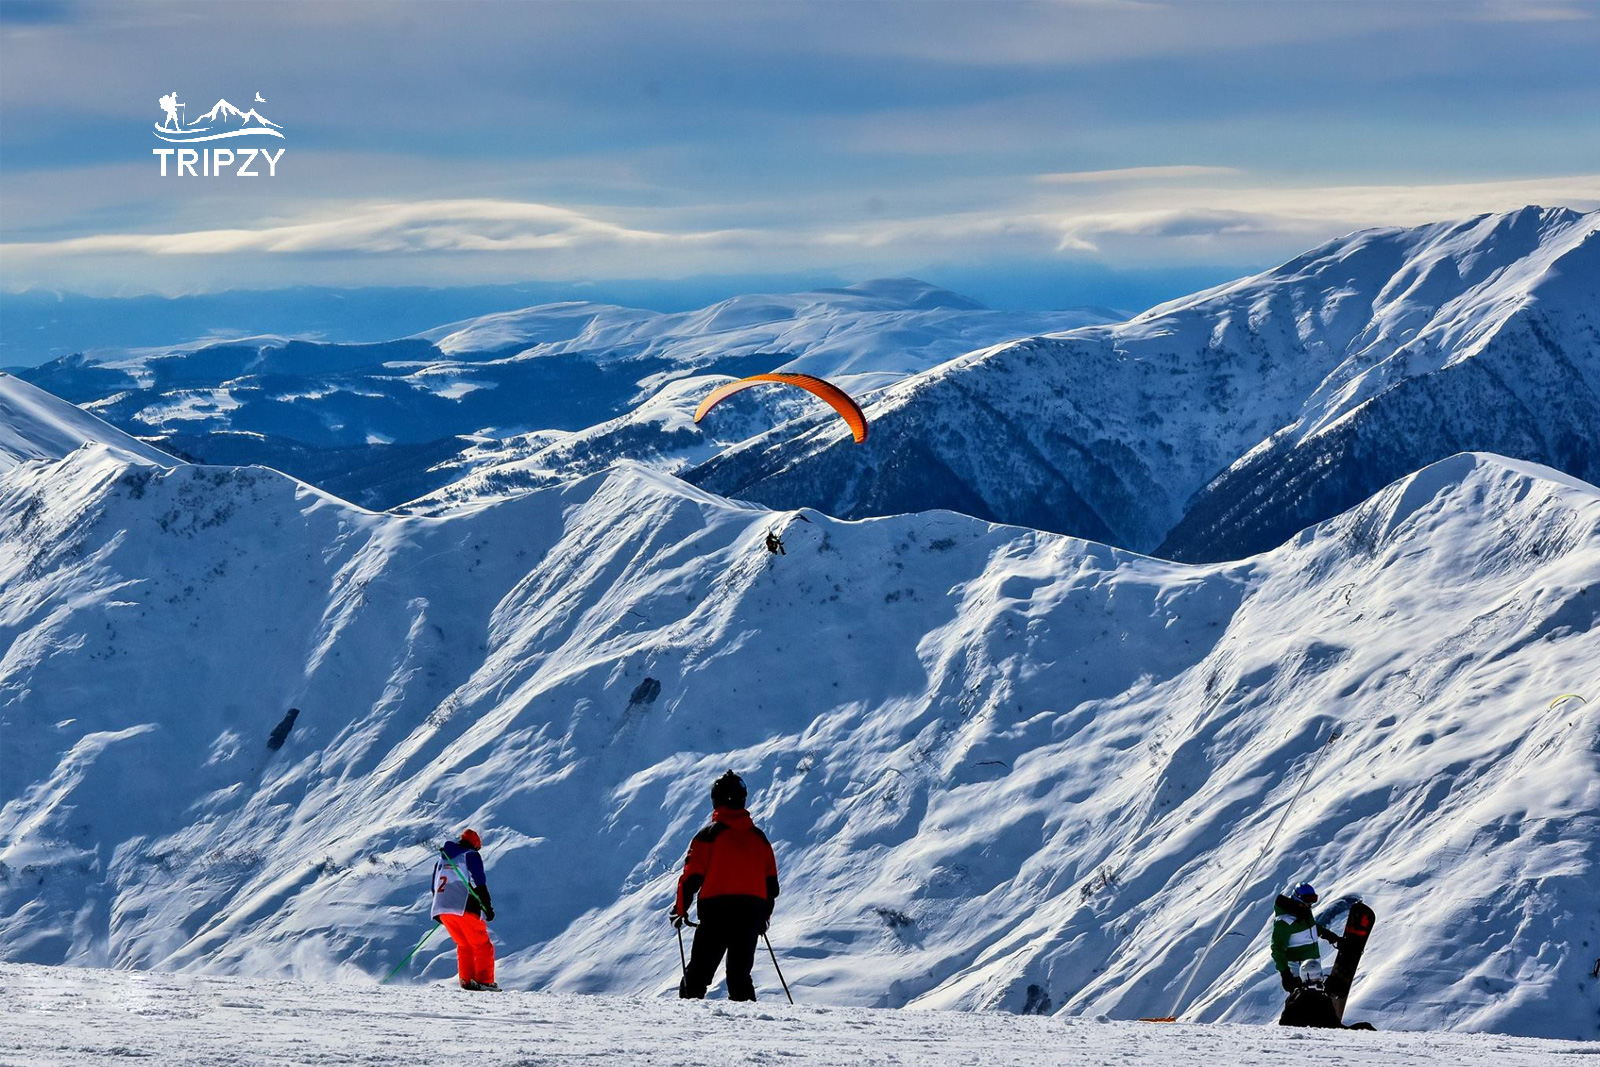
(223, 120)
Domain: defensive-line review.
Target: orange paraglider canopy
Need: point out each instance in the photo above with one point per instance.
(836, 398)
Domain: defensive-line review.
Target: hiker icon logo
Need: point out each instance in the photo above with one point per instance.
(222, 121)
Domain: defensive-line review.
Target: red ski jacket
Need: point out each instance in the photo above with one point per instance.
(729, 858)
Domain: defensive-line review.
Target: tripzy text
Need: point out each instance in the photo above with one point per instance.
(213, 162)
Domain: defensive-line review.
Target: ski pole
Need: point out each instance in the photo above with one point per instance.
(417, 948)
(683, 960)
(775, 967)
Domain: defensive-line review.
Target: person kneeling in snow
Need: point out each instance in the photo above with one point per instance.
(461, 903)
(731, 866)
(1294, 943)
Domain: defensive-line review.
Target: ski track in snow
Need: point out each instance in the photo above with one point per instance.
(67, 1017)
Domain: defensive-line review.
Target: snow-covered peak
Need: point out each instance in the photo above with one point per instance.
(224, 112)
(541, 324)
(37, 426)
(1398, 295)
(1320, 380)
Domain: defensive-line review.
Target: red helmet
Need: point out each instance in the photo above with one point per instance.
(471, 839)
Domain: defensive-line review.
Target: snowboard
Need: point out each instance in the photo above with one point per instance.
(1352, 943)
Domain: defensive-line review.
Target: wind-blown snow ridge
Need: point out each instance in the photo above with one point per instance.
(1003, 769)
(37, 426)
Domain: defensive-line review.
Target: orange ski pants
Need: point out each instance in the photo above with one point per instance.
(474, 952)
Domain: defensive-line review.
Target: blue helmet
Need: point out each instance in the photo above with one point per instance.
(1305, 891)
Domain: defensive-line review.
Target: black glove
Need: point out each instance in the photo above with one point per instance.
(1332, 938)
(766, 920)
(482, 894)
(1290, 982)
(679, 920)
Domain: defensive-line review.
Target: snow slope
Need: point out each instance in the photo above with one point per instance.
(35, 425)
(64, 1018)
(1002, 768)
(1220, 424)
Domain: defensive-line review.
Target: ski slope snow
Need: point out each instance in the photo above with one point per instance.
(80, 1017)
(1003, 769)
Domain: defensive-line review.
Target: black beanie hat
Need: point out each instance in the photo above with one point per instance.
(728, 791)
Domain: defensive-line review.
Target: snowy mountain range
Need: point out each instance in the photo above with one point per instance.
(312, 409)
(1002, 768)
(1207, 428)
(1218, 425)
(560, 366)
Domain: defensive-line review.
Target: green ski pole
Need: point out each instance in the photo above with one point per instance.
(436, 923)
(399, 966)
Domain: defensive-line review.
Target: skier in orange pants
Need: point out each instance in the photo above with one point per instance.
(461, 902)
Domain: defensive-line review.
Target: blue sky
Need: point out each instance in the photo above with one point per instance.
(1039, 154)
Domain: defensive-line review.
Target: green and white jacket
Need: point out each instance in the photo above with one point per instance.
(1294, 933)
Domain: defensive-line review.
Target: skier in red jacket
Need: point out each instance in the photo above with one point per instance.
(731, 866)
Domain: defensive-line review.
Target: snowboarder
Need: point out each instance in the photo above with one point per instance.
(1294, 942)
(731, 866)
(1309, 1003)
(461, 903)
(775, 544)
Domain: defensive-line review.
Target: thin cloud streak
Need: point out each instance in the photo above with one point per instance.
(1168, 220)
(1134, 174)
(420, 226)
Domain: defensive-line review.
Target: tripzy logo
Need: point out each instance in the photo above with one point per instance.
(222, 122)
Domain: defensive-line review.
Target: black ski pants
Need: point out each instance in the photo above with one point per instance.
(729, 927)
